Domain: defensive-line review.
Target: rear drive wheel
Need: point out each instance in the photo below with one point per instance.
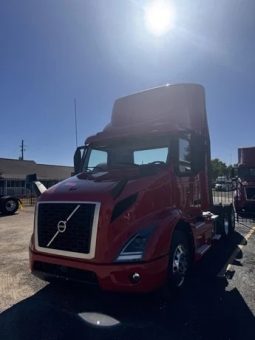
(225, 221)
(228, 222)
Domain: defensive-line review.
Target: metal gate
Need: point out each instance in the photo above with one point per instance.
(226, 198)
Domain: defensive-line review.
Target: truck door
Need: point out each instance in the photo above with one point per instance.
(187, 181)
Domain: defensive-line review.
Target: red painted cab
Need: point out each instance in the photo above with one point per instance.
(139, 208)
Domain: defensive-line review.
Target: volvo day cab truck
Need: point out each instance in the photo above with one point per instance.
(139, 209)
(245, 186)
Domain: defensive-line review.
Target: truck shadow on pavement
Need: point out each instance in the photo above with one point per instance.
(7, 216)
(205, 309)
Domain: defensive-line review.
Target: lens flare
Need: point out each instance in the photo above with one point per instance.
(159, 17)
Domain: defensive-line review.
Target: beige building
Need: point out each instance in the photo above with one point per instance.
(13, 174)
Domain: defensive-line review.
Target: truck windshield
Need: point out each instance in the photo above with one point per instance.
(127, 152)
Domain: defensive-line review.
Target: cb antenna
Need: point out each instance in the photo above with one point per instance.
(75, 122)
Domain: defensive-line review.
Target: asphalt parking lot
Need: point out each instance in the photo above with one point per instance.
(218, 302)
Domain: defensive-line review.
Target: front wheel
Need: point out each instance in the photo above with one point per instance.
(179, 260)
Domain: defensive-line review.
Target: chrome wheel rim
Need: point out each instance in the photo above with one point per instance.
(10, 205)
(180, 264)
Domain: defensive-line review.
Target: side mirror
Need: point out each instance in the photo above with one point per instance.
(77, 159)
(37, 186)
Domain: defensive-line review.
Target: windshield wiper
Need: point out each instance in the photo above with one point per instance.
(116, 165)
(93, 168)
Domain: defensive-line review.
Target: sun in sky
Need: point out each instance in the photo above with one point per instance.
(159, 16)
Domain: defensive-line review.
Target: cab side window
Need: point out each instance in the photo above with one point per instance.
(184, 156)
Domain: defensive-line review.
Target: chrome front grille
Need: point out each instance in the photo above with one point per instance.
(67, 228)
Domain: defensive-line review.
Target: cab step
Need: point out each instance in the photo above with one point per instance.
(210, 215)
(203, 249)
(199, 225)
(216, 237)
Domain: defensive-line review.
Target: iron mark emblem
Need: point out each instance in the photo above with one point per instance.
(62, 225)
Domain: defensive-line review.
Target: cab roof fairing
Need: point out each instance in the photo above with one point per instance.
(170, 108)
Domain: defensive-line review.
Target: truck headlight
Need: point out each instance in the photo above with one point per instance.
(134, 248)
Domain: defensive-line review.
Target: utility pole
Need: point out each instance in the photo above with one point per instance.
(22, 149)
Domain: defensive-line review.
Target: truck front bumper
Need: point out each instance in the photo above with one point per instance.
(118, 277)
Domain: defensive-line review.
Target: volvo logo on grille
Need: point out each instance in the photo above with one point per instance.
(61, 226)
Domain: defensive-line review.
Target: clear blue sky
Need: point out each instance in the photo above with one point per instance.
(52, 51)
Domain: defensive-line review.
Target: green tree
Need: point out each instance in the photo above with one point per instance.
(218, 168)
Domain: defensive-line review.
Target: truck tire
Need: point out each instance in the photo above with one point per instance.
(229, 221)
(179, 260)
(226, 220)
(224, 225)
(175, 279)
(9, 205)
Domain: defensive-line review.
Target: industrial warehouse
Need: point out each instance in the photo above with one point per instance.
(13, 174)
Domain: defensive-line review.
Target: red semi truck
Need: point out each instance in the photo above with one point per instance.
(139, 209)
(245, 186)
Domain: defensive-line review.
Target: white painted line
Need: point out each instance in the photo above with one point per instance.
(230, 260)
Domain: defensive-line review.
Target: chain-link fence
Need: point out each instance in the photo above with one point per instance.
(226, 198)
(223, 197)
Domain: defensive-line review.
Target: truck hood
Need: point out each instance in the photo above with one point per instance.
(103, 185)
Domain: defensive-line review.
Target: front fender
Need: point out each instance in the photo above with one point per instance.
(159, 243)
